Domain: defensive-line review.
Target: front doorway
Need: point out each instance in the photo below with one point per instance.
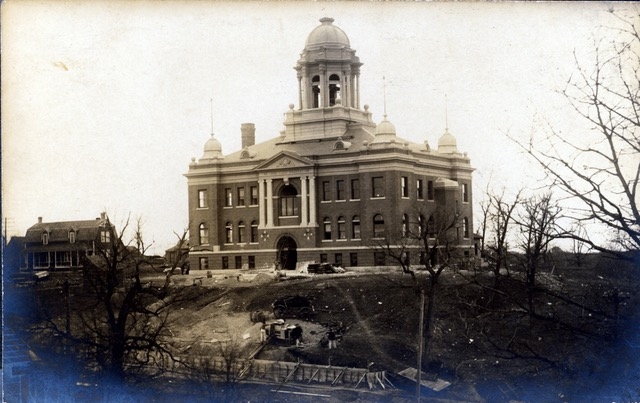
(287, 256)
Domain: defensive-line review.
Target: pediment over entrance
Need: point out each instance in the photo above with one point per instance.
(285, 160)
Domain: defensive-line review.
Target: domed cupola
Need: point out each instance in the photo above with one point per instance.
(212, 149)
(447, 143)
(327, 34)
(385, 132)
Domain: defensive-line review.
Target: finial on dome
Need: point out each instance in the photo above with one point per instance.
(327, 20)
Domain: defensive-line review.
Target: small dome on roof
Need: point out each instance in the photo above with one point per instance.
(327, 34)
(212, 149)
(447, 143)
(385, 127)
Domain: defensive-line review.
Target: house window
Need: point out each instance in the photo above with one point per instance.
(225, 262)
(338, 260)
(421, 226)
(202, 198)
(45, 238)
(252, 262)
(419, 190)
(353, 259)
(378, 226)
(326, 191)
(379, 258)
(404, 186)
(63, 259)
(465, 227)
(355, 189)
(41, 259)
(355, 227)
(204, 234)
(228, 228)
(340, 193)
(241, 232)
(254, 232)
(288, 205)
(430, 192)
(204, 263)
(327, 228)
(377, 186)
(254, 195)
(72, 236)
(240, 196)
(228, 197)
(405, 225)
(342, 228)
(238, 262)
(465, 193)
(323, 258)
(105, 236)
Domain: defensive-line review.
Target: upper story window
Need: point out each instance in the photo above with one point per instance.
(334, 89)
(340, 192)
(355, 189)
(421, 226)
(327, 228)
(241, 232)
(404, 186)
(419, 189)
(326, 191)
(202, 198)
(377, 186)
(254, 195)
(228, 197)
(72, 236)
(355, 227)
(342, 228)
(465, 227)
(228, 229)
(465, 193)
(241, 196)
(288, 205)
(315, 89)
(430, 191)
(203, 233)
(405, 225)
(378, 226)
(254, 232)
(45, 238)
(105, 236)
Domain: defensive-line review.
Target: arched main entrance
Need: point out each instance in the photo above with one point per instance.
(287, 254)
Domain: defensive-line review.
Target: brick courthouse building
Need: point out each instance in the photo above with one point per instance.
(330, 186)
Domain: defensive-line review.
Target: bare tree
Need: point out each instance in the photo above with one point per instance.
(600, 170)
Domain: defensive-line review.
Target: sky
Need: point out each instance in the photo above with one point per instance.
(104, 103)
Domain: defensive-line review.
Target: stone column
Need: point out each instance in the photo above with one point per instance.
(303, 204)
(312, 201)
(301, 105)
(324, 93)
(269, 203)
(261, 201)
(358, 91)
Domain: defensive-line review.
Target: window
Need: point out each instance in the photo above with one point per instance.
(406, 258)
(204, 234)
(378, 226)
(228, 199)
(326, 191)
(238, 262)
(241, 232)
(252, 262)
(465, 227)
(421, 226)
(288, 205)
(355, 227)
(338, 260)
(202, 198)
(404, 185)
(423, 258)
(431, 227)
(379, 258)
(355, 189)
(72, 236)
(465, 193)
(254, 195)
(377, 186)
(41, 259)
(405, 225)
(241, 196)
(63, 259)
(353, 259)
(342, 228)
(323, 258)
(340, 193)
(225, 262)
(254, 232)
(204, 263)
(430, 192)
(105, 236)
(327, 228)
(419, 190)
(228, 228)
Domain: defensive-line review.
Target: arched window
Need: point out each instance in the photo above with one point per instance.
(378, 226)
(355, 227)
(326, 228)
(241, 232)
(465, 227)
(315, 89)
(204, 234)
(45, 238)
(72, 236)
(342, 230)
(405, 225)
(334, 89)
(254, 232)
(228, 228)
(288, 205)
(421, 224)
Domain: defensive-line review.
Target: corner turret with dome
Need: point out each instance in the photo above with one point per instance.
(328, 185)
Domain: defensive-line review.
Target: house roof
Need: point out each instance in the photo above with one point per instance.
(86, 230)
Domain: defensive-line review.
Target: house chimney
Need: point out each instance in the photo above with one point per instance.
(248, 134)
(39, 220)
(103, 215)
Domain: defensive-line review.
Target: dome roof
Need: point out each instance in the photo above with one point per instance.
(385, 127)
(212, 149)
(327, 34)
(447, 143)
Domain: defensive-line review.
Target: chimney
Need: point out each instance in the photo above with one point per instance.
(39, 220)
(248, 134)
(103, 215)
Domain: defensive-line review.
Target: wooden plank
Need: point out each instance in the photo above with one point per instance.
(338, 377)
